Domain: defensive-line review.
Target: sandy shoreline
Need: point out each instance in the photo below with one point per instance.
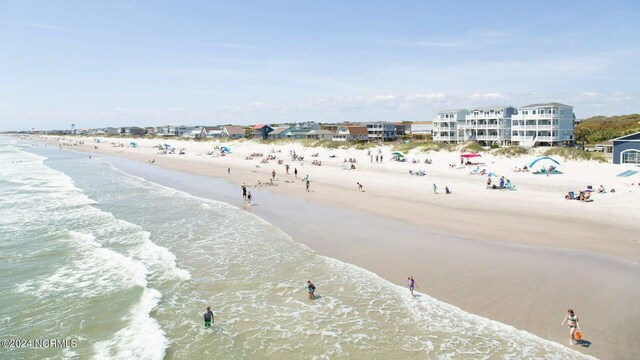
(499, 253)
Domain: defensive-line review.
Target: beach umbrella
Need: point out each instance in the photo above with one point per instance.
(225, 149)
(397, 154)
(133, 144)
(543, 158)
(166, 146)
(470, 155)
(491, 174)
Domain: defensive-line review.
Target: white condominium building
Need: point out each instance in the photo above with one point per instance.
(548, 124)
(489, 125)
(449, 125)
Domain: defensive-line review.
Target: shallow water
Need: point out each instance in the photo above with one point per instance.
(127, 267)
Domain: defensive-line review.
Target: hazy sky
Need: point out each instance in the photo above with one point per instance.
(117, 63)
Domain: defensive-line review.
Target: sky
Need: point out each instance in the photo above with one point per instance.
(148, 63)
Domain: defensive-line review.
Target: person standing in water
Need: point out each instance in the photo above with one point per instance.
(311, 289)
(249, 197)
(411, 284)
(572, 321)
(244, 192)
(208, 317)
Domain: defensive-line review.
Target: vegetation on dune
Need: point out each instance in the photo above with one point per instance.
(602, 128)
(421, 146)
(511, 151)
(574, 154)
(471, 146)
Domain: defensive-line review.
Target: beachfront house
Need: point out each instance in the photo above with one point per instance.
(308, 125)
(150, 130)
(423, 128)
(214, 132)
(351, 133)
(401, 128)
(319, 135)
(261, 131)
(279, 132)
(448, 126)
(381, 131)
(132, 131)
(106, 131)
(546, 124)
(489, 125)
(197, 133)
(233, 132)
(173, 130)
(626, 149)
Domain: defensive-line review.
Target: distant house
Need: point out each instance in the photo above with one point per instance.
(261, 131)
(421, 128)
(319, 134)
(106, 131)
(381, 131)
(233, 132)
(308, 125)
(132, 131)
(448, 127)
(213, 131)
(626, 149)
(279, 132)
(174, 130)
(401, 128)
(150, 130)
(351, 133)
(196, 133)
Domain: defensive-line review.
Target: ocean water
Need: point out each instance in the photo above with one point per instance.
(126, 267)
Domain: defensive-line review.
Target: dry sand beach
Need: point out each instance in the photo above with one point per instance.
(520, 257)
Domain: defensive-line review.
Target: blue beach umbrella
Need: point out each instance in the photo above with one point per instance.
(543, 158)
(133, 144)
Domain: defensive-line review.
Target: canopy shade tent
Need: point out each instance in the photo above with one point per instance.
(543, 158)
(470, 155)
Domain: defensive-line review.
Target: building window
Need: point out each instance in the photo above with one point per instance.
(562, 112)
(630, 156)
(533, 112)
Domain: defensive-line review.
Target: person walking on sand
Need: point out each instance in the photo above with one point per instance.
(311, 289)
(307, 185)
(229, 171)
(572, 321)
(295, 172)
(359, 186)
(411, 284)
(208, 317)
(273, 175)
(286, 169)
(435, 189)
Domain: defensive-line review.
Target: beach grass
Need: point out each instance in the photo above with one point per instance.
(575, 154)
(511, 151)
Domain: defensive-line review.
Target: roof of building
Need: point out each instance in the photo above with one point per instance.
(451, 110)
(357, 130)
(325, 132)
(279, 130)
(630, 137)
(545, 104)
(234, 130)
(492, 108)
(259, 126)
